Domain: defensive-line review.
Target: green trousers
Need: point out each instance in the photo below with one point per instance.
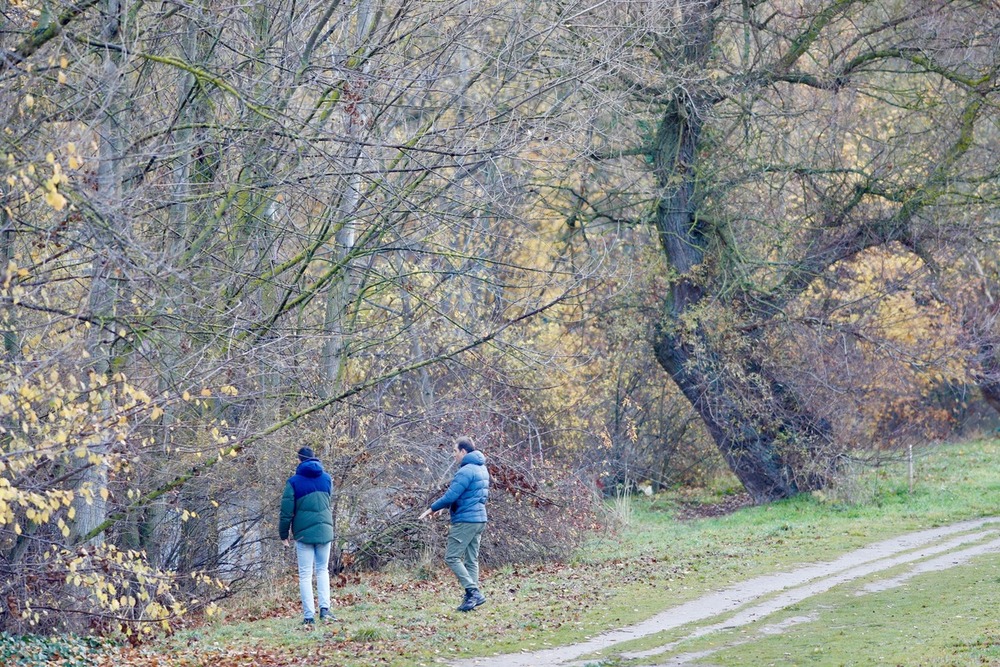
(462, 553)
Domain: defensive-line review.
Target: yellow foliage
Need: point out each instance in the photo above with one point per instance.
(49, 420)
(901, 344)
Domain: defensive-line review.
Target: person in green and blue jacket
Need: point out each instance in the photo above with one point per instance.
(306, 515)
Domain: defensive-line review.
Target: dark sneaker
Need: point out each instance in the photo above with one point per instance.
(325, 615)
(473, 598)
(308, 624)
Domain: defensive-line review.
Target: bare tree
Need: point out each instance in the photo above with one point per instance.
(258, 226)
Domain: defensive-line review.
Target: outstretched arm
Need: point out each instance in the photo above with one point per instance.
(458, 485)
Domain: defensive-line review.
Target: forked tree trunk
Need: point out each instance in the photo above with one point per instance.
(750, 416)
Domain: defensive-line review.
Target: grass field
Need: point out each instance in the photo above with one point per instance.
(654, 562)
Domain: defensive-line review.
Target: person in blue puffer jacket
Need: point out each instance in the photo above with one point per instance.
(466, 500)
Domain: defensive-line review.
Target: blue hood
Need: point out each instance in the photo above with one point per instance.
(310, 468)
(474, 457)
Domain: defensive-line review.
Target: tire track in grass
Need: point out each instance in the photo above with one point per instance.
(787, 588)
(951, 558)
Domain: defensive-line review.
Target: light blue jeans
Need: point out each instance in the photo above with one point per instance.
(313, 558)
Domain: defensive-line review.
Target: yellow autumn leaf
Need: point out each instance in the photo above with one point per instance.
(55, 200)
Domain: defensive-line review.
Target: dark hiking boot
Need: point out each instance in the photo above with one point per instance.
(308, 624)
(478, 598)
(325, 615)
(473, 598)
(466, 601)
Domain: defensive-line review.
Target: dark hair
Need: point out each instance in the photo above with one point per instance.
(306, 454)
(465, 444)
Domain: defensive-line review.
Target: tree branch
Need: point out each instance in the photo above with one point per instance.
(29, 46)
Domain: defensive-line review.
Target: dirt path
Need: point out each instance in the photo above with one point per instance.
(926, 551)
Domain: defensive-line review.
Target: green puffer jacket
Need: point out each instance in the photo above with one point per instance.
(305, 505)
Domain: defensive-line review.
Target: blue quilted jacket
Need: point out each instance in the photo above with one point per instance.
(470, 489)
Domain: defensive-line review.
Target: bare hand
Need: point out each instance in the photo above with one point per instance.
(287, 543)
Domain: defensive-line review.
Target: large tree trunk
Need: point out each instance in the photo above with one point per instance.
(105, 279)
(336, 325)
(749, 415)
(766, 437)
